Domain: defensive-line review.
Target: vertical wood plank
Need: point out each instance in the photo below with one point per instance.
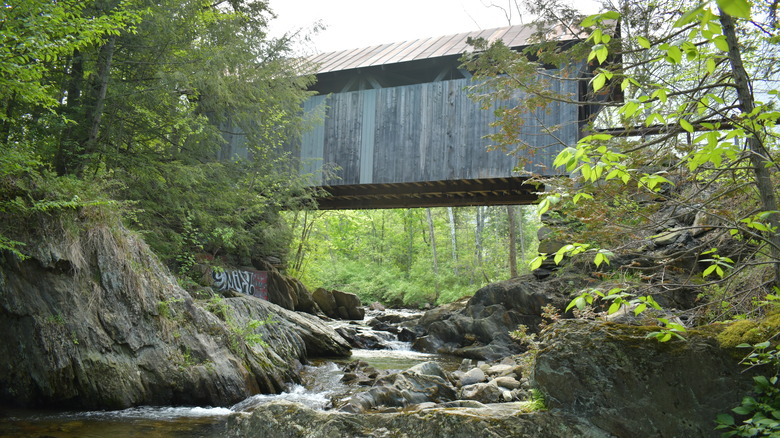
(367, 135)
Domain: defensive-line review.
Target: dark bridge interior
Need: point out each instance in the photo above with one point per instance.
(446, 193)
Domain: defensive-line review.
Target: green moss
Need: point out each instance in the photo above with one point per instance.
(750, 331)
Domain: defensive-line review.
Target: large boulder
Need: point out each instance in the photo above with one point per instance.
(93, 321)
(284, 419)
(480, 328)
(629, 385)
(325, 301)
(422, 383)
(348, 305)
(338, 305)
(289, 293)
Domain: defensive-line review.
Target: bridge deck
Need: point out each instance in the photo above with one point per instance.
(445, 193)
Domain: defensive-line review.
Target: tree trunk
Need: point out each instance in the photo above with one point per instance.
(433, 250)
(480, 226)
(759, 156)
(522, 236)
(478, 242)
(410, 231)
(306, 228)
(101, 87)
(68, 147)
(454, 238)
(510, 212)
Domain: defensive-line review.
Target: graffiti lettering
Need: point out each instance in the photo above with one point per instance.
(253, 283)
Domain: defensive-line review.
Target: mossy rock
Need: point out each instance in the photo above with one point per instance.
(750, 331)
(631, 385)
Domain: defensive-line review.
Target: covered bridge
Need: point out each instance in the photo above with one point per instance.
(400, 130)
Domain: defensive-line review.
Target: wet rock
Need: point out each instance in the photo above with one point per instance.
(315, 338)
(501, 370)
(376, 305)
(406, 335)
(494, 350)
(479, 329)
(465, 365)
(414, 386)
(507, 382)
(361, 373)
(481, 392)
(474, 375)
(429, 368)
(290, 420)
(382, 326)
(362, 339)
(426, 344)
(398, 318)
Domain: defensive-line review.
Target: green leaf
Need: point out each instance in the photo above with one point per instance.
(599, 259)
(674, 55)
(710, 65)
(602, 54)
(735, 8)
(721, 43)
(579, 196)
(580, 302)
(644, 42)
(588, 21)
(544, 205)
(690, 15)
(725, 419)
(686, 125)
(537, 261)
(562, 253)
(596, 35)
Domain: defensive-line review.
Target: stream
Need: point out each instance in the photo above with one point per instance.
(321, 383)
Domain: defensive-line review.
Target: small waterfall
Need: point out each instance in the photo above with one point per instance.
(320, 384)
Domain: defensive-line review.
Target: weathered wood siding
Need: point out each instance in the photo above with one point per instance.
(424, 132)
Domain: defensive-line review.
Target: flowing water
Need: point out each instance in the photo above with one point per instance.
(321, 383)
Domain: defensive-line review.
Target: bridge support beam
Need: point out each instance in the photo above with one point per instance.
(447, 193)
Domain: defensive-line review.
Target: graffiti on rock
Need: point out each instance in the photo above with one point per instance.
(253, 283)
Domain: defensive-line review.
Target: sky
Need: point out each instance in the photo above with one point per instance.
(351, 24)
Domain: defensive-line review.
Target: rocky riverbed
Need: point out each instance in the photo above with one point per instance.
(94, 322)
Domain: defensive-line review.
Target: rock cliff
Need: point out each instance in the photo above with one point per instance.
(92, 320)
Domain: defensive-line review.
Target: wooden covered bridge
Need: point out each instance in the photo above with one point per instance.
(400, 130)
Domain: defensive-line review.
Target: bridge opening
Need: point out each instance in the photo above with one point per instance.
(412, 257)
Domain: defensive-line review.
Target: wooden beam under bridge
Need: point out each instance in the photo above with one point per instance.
(446, 193)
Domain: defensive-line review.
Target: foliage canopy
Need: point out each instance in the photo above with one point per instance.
(133, 101)
(682, 121)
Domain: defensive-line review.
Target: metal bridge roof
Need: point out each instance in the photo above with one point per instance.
(425, 48)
